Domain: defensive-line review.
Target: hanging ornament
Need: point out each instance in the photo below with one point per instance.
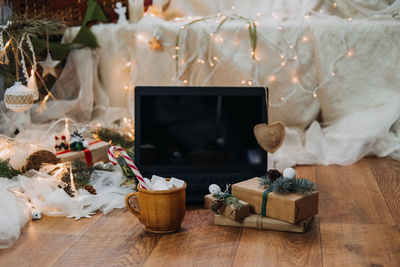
(3, 52)
(49, 65)
(18, 97)
(32, 84)
(155, 42)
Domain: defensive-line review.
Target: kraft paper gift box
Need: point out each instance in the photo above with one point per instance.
(97, 151)
(229, 211)
(291, 207)
(264, 223)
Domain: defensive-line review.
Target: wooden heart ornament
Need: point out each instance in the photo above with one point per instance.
(270, 136)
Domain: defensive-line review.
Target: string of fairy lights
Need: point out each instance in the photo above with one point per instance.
(290, 61)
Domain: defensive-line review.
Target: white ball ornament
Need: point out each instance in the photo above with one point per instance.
(214, 189)
(289, 173)
(18, 97)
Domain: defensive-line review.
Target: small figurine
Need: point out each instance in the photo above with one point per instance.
(61, 143)
(121, 11)
(77, 142)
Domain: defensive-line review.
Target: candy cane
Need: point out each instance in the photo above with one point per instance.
(129, 161)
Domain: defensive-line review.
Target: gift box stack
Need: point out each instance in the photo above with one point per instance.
(275, 201)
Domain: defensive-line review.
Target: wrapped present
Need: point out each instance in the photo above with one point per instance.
(235, 212)
(265, 223)
(291, 207)
(96, 151)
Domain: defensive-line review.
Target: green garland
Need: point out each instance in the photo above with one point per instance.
(230, 200)
(286, 185)
(6, 170)
(114, 137)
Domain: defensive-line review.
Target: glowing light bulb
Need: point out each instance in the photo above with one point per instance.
(182, 27)
(350, 19)
(283, 64)
(315, 95)
(176, 47)
(305, 39)
(295, 58)
(233, 7)
(272, 78)
(282, 99)
(243, 82)
(291, 46)
(126, 87)
(185, 81)
(173, 56)
(211, 64)
(258, 14)
(282, 56)
(128, 64)
(215, 58)
(349, 53)
(306, 16)
(140, 37)
(219, 14)
(334, 5)
(280, 28)
(295, 79)
(211, 34)
(321, 11)
(333, 74)
(249, 82)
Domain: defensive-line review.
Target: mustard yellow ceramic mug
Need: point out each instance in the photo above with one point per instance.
(160, 211)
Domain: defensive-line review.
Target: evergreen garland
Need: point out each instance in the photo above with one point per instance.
(114, 137)
(286, 185)
(6, 170)
(229, 200)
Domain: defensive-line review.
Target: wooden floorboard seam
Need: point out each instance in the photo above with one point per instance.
(80, 237)
(384, 197)
(237, 245)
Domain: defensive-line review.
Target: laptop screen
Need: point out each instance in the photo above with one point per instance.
(199, 129)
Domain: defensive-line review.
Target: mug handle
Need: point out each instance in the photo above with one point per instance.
(128, 196)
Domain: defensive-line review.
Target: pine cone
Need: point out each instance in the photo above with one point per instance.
(217, 204)
(69, 190)
(273, 175)
(90, 189)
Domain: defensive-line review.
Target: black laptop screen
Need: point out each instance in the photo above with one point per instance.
(194, 130)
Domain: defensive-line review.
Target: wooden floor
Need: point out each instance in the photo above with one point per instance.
(358, 225)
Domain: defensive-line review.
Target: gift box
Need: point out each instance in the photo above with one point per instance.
(290, 207)
(97, 151)
(229, 211)
(264, 223)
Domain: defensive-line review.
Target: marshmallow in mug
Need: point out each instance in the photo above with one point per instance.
(160, 183)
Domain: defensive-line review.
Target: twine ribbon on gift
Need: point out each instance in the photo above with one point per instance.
(129, 162)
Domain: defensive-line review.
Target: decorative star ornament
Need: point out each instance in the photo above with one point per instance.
(49, 66)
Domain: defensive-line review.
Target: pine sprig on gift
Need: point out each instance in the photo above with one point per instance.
(287, 185)
(234, 202)
(6, 170)
(267, 179)
(113, 136)
(303, 185)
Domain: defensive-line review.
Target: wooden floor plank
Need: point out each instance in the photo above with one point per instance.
(350, 194)
(117, 239)
(200, 243)
(387, 174)
(356, 226)
(272, 248)
(44, 241)
(360, 244)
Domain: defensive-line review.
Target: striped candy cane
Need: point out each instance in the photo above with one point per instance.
(129, 161)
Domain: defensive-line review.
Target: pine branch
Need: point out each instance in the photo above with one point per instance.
(6, 170)
(111, 135)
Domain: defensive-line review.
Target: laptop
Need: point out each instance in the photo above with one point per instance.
(203, 135)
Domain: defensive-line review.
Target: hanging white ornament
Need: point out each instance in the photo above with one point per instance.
(32, 84)
(49, 65)
(18, 97)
